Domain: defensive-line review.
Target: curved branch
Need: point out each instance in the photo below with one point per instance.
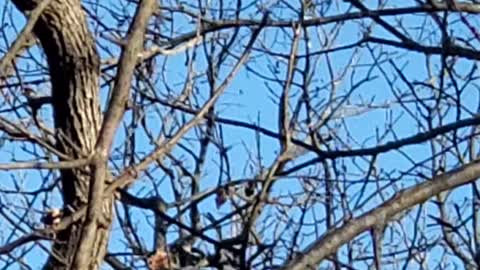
(371, 151)
(400, 202)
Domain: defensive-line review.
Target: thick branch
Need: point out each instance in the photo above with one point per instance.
(400, 202)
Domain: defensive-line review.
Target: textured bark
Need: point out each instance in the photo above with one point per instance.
(74, 69)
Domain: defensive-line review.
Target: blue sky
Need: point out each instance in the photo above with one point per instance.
(250, 99)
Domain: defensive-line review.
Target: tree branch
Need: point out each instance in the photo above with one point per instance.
(114, 114)
(400, 202)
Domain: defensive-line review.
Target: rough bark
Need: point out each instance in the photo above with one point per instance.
(74, 70)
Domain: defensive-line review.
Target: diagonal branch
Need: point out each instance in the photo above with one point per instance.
(23, 36)
(400, 202)
(114, 114)
(392, 145)
(450, 50)
(131, 173)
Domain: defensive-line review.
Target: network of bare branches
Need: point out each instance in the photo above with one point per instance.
(267, 134)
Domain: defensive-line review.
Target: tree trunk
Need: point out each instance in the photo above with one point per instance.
(75, 71)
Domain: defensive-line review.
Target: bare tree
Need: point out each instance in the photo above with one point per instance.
(239, 134)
